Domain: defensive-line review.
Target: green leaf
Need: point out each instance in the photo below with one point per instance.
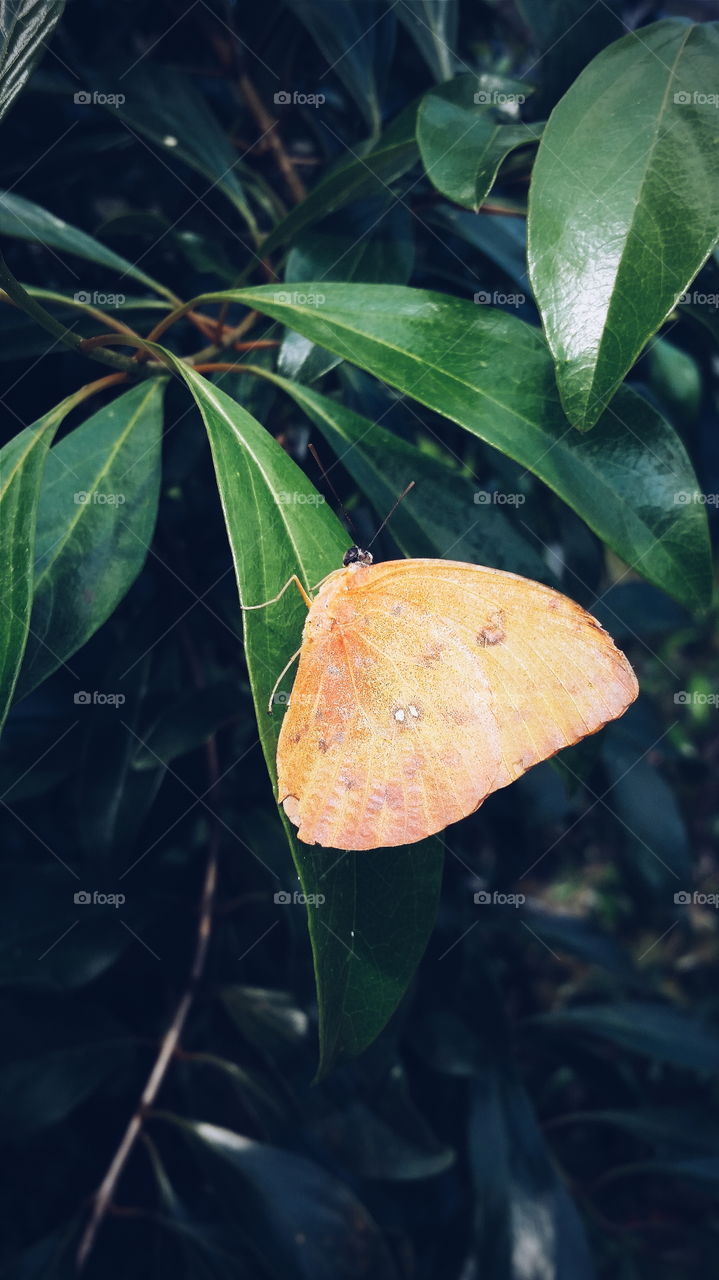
(367, 244)
(358, 43)
(655, 1030)
(22, 464)
(567, 33)
(432, 24)
(444, 515)
(162, 104)
(52, 1064)
(290, 1208)
(502, 240)
(371, 929)
(523, 1205)
(368, 171)
(26, 220)
(187, 723)
(646, 807)
(492, 374)
(624, 204)
(25, 29)
(664, 1127)
(95, 523)
(463, 141)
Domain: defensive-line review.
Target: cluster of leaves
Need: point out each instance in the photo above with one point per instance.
(503, 1087)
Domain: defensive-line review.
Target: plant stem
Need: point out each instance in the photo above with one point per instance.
(68, 337)
(102, 1200)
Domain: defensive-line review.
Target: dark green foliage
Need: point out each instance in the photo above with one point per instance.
(475, 251)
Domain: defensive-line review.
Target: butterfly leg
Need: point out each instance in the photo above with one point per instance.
(283, 672)
(246, 607)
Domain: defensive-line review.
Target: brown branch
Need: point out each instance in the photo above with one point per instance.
(268, 127)
(103, 1198)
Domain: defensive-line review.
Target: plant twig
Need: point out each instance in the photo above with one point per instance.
(68, 337)
(268, 126)
(103, 1198)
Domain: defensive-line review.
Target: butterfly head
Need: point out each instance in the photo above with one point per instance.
(355, 555)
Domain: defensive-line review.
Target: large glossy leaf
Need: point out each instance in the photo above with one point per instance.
(26, 220)
(463, 139)
(492, 374)
(95, 523)
(371, 929)
(444, 515)
(369, 170)
(25, 28)
(22, 464)
(624, 204)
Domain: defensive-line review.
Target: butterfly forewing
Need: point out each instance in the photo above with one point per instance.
(423, 686)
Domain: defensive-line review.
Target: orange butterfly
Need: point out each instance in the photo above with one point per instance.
(425, 685)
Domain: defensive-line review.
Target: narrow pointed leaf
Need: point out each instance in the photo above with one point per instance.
(25, 28)
(22, 463)
(26, 220)
(95, 523)
(367, 171)
(432, 24)
(371, 929)
(624, 204)
(162, 103)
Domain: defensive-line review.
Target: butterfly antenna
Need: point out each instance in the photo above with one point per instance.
(391, 513)
(333, 491)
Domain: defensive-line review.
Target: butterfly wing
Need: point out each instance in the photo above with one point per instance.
(423, 686)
